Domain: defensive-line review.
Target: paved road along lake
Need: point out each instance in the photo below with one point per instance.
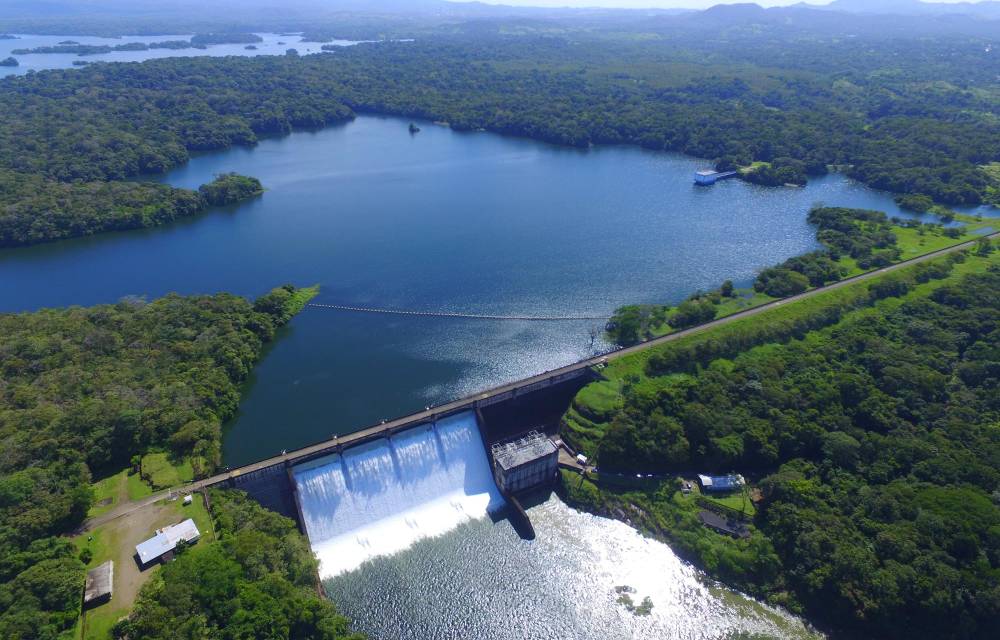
(440, 221)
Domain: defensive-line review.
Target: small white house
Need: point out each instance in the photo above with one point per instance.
(166, 540)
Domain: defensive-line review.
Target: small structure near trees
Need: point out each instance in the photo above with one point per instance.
(722, 524)
(721, 484)
(166, 540)
(99, 584)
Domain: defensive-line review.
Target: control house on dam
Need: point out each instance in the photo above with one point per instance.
(525, 463)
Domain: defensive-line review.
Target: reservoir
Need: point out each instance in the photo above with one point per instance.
(470, 223)
(272, 44)
(437, 221)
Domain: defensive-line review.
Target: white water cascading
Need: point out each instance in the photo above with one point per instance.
(380, 497)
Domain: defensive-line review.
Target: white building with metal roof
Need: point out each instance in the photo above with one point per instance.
(166, 540)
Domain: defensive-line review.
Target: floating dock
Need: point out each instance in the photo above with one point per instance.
(708, 177)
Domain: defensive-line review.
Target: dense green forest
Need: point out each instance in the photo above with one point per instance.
(69, 141)
(82, 390)
(910, 115)
(870, 416)
(37, 209)
(258, 581)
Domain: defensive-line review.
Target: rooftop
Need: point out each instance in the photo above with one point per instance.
(166, 540)
(721, 483)
(531, 446)
(99, 581)
(723, 524)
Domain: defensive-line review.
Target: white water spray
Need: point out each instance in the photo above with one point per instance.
(381, 497)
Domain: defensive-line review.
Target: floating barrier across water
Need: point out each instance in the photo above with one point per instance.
(448, 314)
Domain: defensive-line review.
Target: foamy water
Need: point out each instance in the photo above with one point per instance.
(483, 581)
(381, 497)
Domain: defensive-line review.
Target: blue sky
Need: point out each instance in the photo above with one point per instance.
(671, 4)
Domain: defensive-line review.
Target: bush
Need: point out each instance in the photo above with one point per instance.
(692, 312)
(916, 202)
(889, 287)
(778, 282)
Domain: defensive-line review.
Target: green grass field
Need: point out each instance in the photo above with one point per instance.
(734, 501)
(116, 541)
(163, 472)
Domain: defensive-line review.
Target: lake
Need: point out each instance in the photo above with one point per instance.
(470, 223)
(437, 221)
(273, 44)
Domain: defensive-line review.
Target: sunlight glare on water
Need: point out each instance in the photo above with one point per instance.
(483, 581)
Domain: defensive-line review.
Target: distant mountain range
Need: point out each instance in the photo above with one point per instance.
(988, 9)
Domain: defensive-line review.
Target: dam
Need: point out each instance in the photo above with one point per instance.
(380, 497)
(379, 490)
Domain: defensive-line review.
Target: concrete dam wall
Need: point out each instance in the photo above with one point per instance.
(380, 497)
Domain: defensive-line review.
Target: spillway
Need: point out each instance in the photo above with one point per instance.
(380, 497)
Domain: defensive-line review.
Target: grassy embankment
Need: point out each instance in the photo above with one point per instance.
(596, 404)
(912, 242)
(659, 507)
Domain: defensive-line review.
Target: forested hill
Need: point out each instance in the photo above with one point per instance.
(82, 391)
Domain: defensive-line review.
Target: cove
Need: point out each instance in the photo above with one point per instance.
(272, 44)
(437, 221)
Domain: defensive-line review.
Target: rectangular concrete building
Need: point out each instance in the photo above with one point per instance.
(527, 462)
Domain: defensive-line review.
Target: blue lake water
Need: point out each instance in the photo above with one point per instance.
(273, 44)
(434, 221)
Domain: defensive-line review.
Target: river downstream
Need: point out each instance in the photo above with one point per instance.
(483, 581)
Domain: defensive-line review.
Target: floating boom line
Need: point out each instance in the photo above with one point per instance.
(448, 314)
